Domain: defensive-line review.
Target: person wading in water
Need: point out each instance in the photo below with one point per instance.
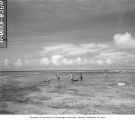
(71, 77)
(58, 77)
(81, 77)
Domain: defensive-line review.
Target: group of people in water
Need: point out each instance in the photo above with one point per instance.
(80, 77)
(72, 77)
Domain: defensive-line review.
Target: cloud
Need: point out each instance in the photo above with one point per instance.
(56, 59)
(109, 61)
(100, 62)
(64, 49)
(79, 61)
(27, 62)
(67, 61)
(18, 63)
(116, 56)
(44, 61)
(104, 62)
(6, 62)
(74, 61)
(74, 49)
(124, 41)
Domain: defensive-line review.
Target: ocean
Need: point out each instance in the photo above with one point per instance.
(39, 92)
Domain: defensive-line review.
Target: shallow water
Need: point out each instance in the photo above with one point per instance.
(98, 93)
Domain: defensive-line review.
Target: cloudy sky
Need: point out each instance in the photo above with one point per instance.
(70, 34)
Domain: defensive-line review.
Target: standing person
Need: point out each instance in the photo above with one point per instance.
(71, 77)
(81, 77)
(58, 77)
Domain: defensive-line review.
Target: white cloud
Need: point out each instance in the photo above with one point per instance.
(100, 62)
(109, 61)
(59, 60)
(18, 63)
(56, 59)
(75, 61)
(78, 60)
(94, 46)
(72, 54)
(104, 62)
(81, 61)
(44, 61)
(6, 62)
(124, 41)
(27, 62)
(111, 55)
(73, 49)
(85, 60)
(67, 61)
(91, 61)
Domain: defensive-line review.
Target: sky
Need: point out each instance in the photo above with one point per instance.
(69, 34)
